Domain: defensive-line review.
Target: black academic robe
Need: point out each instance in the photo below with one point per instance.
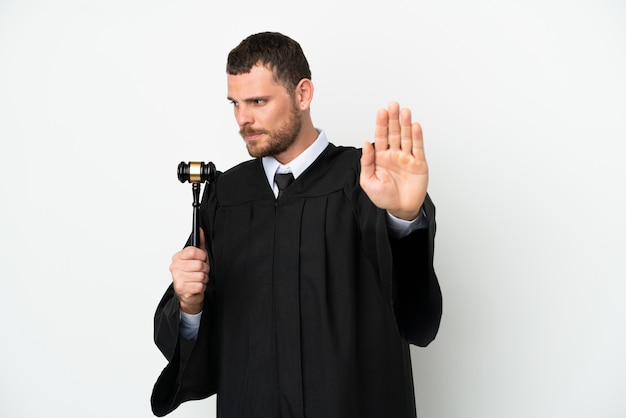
(310, 307)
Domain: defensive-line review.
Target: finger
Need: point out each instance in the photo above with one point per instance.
(382, 130)
(191, 253)
(368, 159)
(406, 131)
(185, 272)
(183, 280)
(193, 266)
(418, 141)
(394, 125)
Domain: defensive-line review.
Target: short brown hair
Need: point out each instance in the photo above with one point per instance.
(278, 52)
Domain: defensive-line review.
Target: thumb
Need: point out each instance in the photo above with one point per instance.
(202, 240)
(368, 159)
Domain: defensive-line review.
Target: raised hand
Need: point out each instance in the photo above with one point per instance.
(394, 172)
(190, 275)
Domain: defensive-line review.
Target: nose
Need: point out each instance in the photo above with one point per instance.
(243, 115)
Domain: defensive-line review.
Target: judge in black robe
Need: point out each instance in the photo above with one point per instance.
(311, 304)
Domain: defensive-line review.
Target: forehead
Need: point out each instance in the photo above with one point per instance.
(258, 82)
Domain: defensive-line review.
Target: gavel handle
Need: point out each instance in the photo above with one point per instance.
(195, 231)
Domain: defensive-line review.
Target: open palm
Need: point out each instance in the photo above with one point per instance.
(394, 172)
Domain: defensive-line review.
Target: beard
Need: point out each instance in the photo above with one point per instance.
(279, 140)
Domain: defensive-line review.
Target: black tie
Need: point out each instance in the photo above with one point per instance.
(282, 181)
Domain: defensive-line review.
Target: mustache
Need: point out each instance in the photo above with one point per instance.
(246, 130)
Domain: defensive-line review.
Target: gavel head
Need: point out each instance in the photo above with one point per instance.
(196, 172)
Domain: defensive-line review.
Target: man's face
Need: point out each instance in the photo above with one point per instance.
(268, 118)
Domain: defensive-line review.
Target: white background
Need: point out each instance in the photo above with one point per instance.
(523, 105)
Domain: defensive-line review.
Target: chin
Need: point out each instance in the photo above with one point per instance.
(256, 152)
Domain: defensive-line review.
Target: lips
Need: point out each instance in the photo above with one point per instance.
(251, 137)
(250, 134)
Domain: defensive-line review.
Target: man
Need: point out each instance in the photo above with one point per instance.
(302, 298)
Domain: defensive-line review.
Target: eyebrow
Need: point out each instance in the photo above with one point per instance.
(249, 99)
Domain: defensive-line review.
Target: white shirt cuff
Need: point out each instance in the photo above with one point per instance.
(399, 228)
(189, 325)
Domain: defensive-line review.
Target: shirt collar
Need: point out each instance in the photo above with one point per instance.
(298, 164)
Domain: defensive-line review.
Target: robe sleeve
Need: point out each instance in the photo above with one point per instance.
(191, 371)
(416, 294)
(405, 269)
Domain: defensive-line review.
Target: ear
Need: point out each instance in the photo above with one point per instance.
(304, 93)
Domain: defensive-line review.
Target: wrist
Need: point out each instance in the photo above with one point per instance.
(406, 215)
(191, 308)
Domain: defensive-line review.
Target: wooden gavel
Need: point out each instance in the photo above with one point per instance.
(196, 173)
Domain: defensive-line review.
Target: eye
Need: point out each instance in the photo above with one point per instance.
(233, 103)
